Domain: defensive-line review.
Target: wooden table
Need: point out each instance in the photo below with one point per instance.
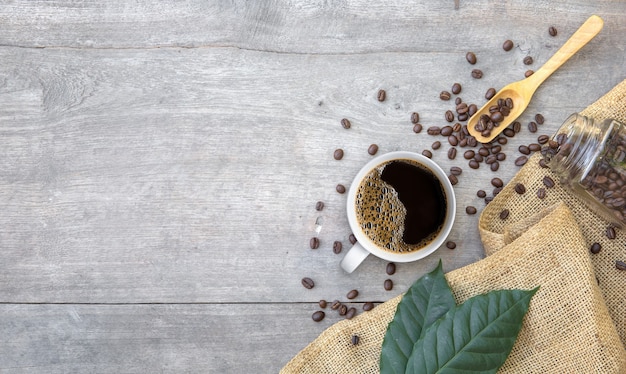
(161, 162)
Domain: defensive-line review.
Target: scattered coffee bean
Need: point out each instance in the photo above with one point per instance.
(595, 248)
(488, 199)
(381, 95)
(528, 60)
(314, 243)
(350, 314)
(455, 170)
(501, 156)
(453, 140)
(338, 155)
(541, 193)
(417, 128)
(620, 265)
(456, 88)
(318, 316)
(340, 188)
(539, 119)
(458, 100)
(345, 123)
(343, 310)
(517, 126)
(388, 284)
(373, 149)
(496, 191)
(453, 179)
(335, 305)
(477, 73)
(532, 126)
(436, 145)
(449, 116)
(495, 166)
(368, 306)
(497, 182)
(508, 132)
(446, 131)
(481, 193)
(610, 232)
(534, 147)
(319, 206)
(434, 130)
(542, 163)
(308, 283)
(391, 268)
(470, 210)
(507, 45)
(520, 188)
(427, 153)
(548, 182)
(445, 95)
(355, 339)
(470, 57)
(352, 294)
(415, 118)
(352, 239)
(543, 139)
(528, 73)
(474, 164)
(523, 149)
(337, 247)
(552, 31)
(490, 93)
(450, 244)
(504, 214)
(323, 304)
(452, 153)
(521, 161)
(469, 154)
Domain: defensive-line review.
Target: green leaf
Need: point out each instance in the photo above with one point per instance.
(474, 337)
(426, 301)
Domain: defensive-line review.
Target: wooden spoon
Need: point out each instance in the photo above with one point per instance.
(522, 91)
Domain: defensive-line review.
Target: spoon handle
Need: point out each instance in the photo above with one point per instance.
(582, 36)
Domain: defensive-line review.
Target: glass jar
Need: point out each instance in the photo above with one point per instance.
(590, 160)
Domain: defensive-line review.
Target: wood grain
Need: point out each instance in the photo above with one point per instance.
(160, 162)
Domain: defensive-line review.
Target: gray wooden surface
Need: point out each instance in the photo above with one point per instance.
(160, 162)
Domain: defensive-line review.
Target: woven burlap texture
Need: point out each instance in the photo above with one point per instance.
(496, 233)
(567, 328)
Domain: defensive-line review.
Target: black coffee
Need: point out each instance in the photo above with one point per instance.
(401, 206)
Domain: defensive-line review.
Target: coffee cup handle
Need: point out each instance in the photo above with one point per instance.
(354, 257)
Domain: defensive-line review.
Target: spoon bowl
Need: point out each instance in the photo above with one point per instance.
(522, 91)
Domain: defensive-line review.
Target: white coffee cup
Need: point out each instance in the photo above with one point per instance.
(364, 245)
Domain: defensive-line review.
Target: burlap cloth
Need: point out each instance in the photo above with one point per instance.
(577, 320)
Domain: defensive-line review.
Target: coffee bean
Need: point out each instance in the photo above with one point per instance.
(501, 156)
(343, 310)
(417, 128)
(322, 303)
(481, 193)
(523, 149)
(450, 244)
(318, 316)
(534, 147)
(458, 100)
(528, 73)
(338, 155)
(543, 139)
(352, 294)
(368, 306)
(595, 248)
(474, 164)
(477, 73)
(517, 126)
(496, 191)
(539, 119)
(504, 214)
(335, 305)
(427, 153)
(470, 57)
(542, 163)
(449, 116)
(541, 193)
(495, 149)
(520, 188)
(415, 117)
(548, 182)
(494, 166)
(436, 145)
(452, 153)
(337, 247)
(483, 151)
(468, 154)
(388, 284)
(434, 130)
(391, 268)
(521, 161)
(470, 210)
(340, 188)
(457, 128)
(350, 314)
(352, 239)
(497, 182)
(345, 123)
(445, 95)
(507, 45)
(488, 199)
(532, 126)
(620, 265)
(509, 132)
(314, 243)
(308, 283)
(472, 109)
(490, 93)
(354, 339)
(552, 31)
(610, 232)
(373, 149)
(528, 60)
(453, 179)
(455, 170)
(472, 142)
(319, 206)
(446, 130)
(456, 88)
(478, 158)
(381, 95)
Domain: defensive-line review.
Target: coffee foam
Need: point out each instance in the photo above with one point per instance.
(381, 215)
